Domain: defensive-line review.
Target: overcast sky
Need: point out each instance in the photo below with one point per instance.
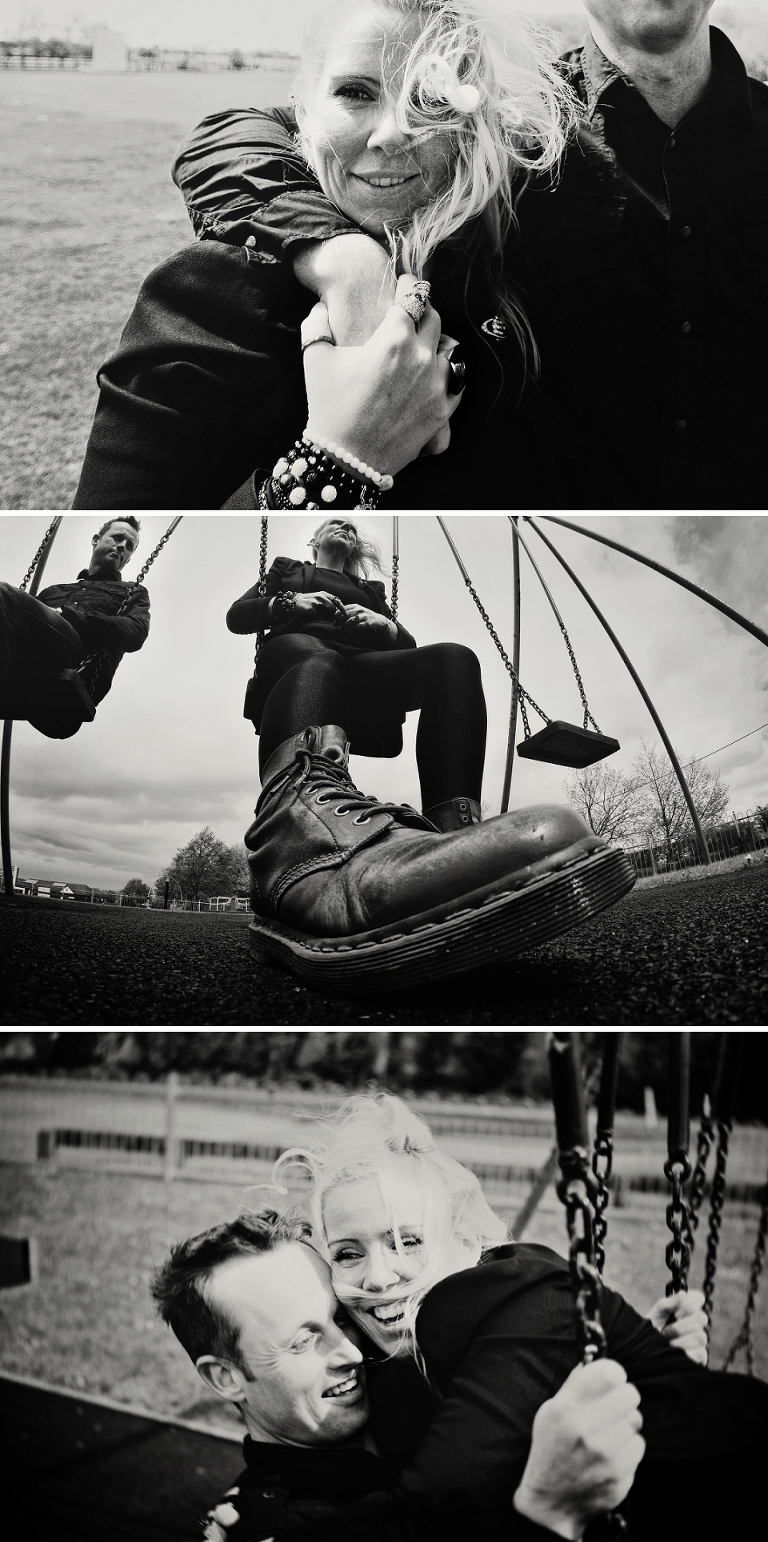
(170, 752)
(246, 24)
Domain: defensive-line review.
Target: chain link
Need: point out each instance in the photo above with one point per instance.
(715, 1218)
(38, 554)
(588, 718)
(522, 695)
(602, 1166)
(263, 539)
(677, 1172)
(395, 584)
(704, 1141)
(744, 1338)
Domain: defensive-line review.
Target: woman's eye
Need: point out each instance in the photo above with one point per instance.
(354, 93)
(407, 1243)
(346, 1256)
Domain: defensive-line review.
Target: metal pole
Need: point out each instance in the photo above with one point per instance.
(5, 755)
(676, 767)
(395, 566)
(516, 666)
(171, 1142)
(703, 594)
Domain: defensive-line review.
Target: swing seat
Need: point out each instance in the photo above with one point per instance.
(371, 733)
(565, 744)
(56, 705)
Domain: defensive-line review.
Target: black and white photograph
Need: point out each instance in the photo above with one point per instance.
(400, 1286)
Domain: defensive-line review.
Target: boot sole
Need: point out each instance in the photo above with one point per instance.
(492, 925)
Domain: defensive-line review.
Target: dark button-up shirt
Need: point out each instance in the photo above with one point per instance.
(91, 605)
(644, 272)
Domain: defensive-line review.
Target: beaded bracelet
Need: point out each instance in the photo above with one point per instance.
(283, 606)
(316, 472)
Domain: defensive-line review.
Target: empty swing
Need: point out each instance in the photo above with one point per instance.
(558, 742)
(63, 702)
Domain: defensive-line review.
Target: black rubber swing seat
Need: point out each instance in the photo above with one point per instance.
(565, 744)
(60, 700)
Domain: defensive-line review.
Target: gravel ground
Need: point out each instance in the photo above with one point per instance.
(689, 955)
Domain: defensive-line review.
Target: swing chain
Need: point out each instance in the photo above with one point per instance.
(523, 696)
(677, 1171)
(715, 1218)
(577, 1190)
(588, 718)
(602, 1165)
(262, 578)
(744, 1338)
(38, 554)
(395, 584)
(704, 1141)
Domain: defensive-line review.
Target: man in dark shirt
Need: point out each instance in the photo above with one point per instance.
(644, 272)
(42, 635)
(252, 1304)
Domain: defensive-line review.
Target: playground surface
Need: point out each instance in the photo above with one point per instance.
(684, 955)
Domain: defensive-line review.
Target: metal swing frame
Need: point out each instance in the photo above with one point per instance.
(65, 691)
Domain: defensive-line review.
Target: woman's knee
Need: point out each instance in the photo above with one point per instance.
(454, 660)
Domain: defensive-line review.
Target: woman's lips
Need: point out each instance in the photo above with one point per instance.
(380, 180)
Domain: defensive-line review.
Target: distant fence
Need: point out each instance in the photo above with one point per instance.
(19, 61)
(745, 835)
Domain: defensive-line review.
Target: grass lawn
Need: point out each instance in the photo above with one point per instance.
(88, 1324)
(88, 209)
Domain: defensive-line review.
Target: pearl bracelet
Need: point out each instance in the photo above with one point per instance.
(316, 470)
(380, 479)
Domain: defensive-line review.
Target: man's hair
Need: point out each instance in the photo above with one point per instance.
(121, 519)
(201, 1326)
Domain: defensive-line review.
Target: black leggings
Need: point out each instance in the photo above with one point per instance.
(309, 683)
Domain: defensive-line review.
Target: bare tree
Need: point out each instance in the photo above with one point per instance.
(662, 810)
(606, 798)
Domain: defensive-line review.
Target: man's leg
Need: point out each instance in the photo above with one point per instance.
(34, 640)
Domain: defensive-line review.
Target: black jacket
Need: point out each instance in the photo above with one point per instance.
(91, 605)
(250, 612)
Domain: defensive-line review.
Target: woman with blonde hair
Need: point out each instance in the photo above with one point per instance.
(474, 1332)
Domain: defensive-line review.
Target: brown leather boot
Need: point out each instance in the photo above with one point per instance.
(353, 893)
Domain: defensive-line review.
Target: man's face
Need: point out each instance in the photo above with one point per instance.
(112, 550)
(652, 25)
(308, 1386)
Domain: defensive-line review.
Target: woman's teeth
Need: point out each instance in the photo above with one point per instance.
(386, 181)
(387, 1314)
(341, 1387)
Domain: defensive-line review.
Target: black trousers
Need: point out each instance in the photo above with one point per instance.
(310, 683)
(34, 640)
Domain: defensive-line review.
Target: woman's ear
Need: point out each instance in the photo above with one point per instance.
(223, 1379)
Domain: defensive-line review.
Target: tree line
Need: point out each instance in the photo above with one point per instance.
(489, 1067)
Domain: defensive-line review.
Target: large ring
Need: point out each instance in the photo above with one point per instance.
(412, 295)
(458, 375)
(310, 335)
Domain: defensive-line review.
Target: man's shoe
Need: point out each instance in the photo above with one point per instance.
(352, 893)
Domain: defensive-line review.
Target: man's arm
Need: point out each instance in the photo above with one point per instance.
(118, 634)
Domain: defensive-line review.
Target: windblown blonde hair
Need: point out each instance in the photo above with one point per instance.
(486, 77)
(363, 560)
(378, 1137)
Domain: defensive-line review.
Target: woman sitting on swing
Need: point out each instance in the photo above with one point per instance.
(354, 891)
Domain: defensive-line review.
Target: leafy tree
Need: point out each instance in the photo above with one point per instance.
(136, 888)
(606, 798)
(663, 812)
(205, 866)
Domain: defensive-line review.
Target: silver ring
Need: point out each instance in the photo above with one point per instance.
(324, 337)
(413, 300)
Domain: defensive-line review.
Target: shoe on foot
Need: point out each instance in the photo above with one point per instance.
(352, 893)
(454, 814)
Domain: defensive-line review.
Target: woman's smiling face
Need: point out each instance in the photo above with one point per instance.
(366, 165)
(376, 1246)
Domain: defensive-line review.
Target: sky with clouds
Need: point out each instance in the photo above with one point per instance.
(170, 751)
(246, 24)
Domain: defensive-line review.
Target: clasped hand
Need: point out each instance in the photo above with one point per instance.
(323, 606)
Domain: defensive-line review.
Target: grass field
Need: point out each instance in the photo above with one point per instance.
(89, 1323)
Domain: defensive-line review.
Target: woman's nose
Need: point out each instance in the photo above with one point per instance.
(379, 1272)
(387, 134)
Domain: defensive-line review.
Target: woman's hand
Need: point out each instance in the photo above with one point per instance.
(682, 1320)
(385, 401)
(318, 607)
(360, 619)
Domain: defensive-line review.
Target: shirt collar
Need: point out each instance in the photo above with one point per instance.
(94, 577)
(728, 89)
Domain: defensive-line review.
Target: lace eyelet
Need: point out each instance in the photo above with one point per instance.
(362, 819)
(342, 809)
(321, 799)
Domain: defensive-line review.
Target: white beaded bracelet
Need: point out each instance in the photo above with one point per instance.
(380, 479)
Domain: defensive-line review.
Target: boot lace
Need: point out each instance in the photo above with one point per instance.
(329, 780)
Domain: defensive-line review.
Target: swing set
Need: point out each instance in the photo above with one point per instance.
(63, 700)
(584, 1184)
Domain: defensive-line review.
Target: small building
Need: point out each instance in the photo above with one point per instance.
(110, 50)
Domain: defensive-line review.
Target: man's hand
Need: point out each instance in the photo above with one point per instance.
(359, 619)
(682, 1320)
(353, 275)
(585, 1451)
(385, 401)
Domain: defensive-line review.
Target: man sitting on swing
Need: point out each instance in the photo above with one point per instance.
(42, 635)
(350, 891)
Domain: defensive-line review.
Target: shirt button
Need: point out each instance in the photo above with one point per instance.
(681, 425)
(686, 327)
(686, 232)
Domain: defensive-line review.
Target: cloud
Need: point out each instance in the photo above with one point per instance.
(725, 554)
